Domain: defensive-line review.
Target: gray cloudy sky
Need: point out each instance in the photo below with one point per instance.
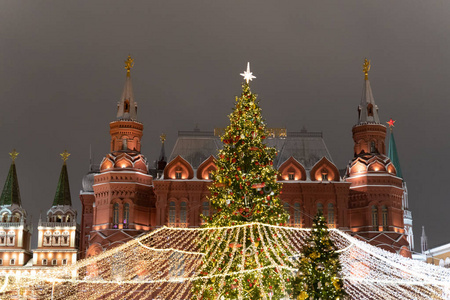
(61, 74)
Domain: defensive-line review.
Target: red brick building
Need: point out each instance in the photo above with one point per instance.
(123, 197)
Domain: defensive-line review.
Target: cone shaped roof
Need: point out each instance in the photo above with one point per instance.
(11, 192)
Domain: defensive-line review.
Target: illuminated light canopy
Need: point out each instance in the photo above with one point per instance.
(164, 264)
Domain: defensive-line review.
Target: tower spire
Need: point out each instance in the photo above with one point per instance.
(392, 151)
(127, 107)
(162, 160)
(368, 110)
(11, 191)
(62, 195)
(424, 240)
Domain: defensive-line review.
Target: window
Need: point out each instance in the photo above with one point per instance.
(291, 176)
(5, 217)
(126, 215)
(375, 217)
(210, 175)
(372, 147)
(287, 208)
(178, 175)
(324, 174)
(370, 110)
(12, 261)
(116, 215)
(54, 262)
(320, 208)
(44, 262)
(205, 209)
(172, 213)
(297, 215)
(1, 262)
(183, 213)
(384, 212)
(64, 261)
(330, 215)
(11, 238)
(126, 107)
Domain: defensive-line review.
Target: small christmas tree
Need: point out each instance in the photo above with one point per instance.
(319, 267)
(245, 190)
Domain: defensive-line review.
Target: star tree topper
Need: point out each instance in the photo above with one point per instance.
(248, 76)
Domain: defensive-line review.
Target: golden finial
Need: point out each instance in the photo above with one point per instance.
(162, 137)
(129, 63)
(366, 68)
(14, 155)
(65, 156)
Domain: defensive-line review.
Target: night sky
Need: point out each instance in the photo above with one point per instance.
(61, 75)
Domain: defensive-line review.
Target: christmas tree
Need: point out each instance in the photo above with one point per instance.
(319, 266)
(244, 190)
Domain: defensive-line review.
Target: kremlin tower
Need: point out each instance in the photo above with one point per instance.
(120, 205)
(59, 234)
(376, 191)
(15, 232)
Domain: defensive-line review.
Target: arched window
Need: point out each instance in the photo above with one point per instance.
(287, 207)
(126, 215)
(297, 215)
(320, 208)
(172, 211)
(330, 215)
(373, 149)
(375, 218)
(370, 110)
(126, 105)
(5, 217)
(324, 174)
(183, 214)
(116, 215)
(384, 212)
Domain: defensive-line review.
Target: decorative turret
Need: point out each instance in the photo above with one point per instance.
(127, 108)
(162, 160)
(367, 110)
(59, 235)
(369, 135)
(392, 151)
(424, 241)
(15, 232)
(62, 196)
(126, 131)
(11, 192)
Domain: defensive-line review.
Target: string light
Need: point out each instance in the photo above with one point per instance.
(164, 263)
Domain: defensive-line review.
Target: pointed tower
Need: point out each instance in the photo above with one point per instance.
(15, 233)
(162, 160)
(368, 134)
(123, 205)
(126, 132)
(407, 214)
(424, 241)
(59, 234)
(376, 192)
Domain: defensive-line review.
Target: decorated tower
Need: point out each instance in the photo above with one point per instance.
(376, 191)
(59, 234)
(15, 232)
(122, 200)
(407, 214)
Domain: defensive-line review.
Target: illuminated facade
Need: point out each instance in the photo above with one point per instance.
(123, 197)
(58, 235)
